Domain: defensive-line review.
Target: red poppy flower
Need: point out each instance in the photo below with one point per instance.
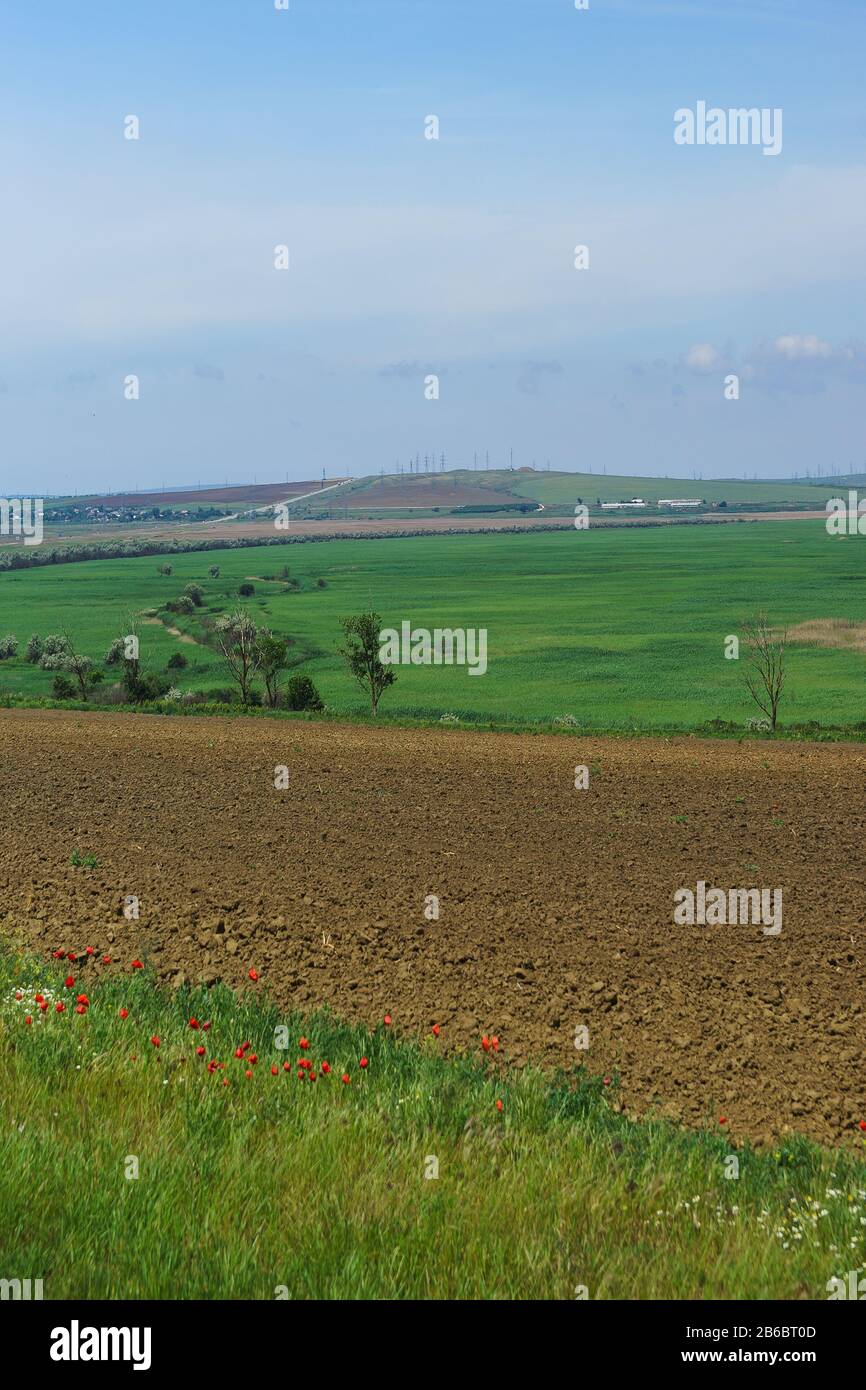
(325, 1068)
(155, 1040)
(82, 999)
(124, 1013)
(499, 1105)
(346, 1077)
(18, 994)
(387, 1020)
(275, 1071)
(494, 1042)
(71, 955)
(58, 955)
(300, 1076)
(81, 1008)
(303, 1042)
(254, 974)
(363, 1064)
(253, 1059)
(39, 998)
(436, 1030)
(723, 1119)
(193, 1023)
(863, 1124)
(106, 960)
(69, 981)
(287, 1066)
(61, 1008)
(28, 1019)
(200, 1051)
(89, 950)
(137, 965)
(248, 1072)
(485, 1043)
(312, 1075)
(43, 1006)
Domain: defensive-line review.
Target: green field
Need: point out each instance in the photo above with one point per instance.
(617, 628)
(406, 1182)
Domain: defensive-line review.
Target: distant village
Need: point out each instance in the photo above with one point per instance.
(99, 513)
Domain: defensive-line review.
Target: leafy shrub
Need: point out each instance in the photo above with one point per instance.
(196, 593)
(62, 688)
(115, 652)
(302, 694)
(35, 648)
(184, 604)
(214, 571)
(246, 589)
(164, 569)
(8, 646)
(176, 661)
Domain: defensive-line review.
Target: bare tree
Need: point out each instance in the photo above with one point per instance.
(765, 677)
(236, 636)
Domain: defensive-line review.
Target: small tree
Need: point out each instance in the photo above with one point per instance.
(765, 677)
(8, 646)
(35, 648)
(196, 593)
(361, 655)
(246, 590)
(236, 635)
(214, 571)
(128, 648)
(272, 653)
(78, 665)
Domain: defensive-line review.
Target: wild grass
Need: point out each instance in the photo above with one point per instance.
(407, 1182)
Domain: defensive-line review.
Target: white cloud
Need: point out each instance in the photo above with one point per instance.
(703, 357)
(802, 347)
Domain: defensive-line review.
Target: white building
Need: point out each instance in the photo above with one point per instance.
(621, 506)
(680, 502)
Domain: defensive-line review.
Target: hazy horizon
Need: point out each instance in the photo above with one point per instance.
(411, 257)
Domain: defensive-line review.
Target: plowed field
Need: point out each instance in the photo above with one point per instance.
(555, 904)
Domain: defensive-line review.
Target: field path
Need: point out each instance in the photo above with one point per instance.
(555, 904)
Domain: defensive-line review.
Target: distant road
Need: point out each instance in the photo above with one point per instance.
(299, 497)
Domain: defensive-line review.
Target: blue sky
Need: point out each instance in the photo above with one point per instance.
(411, 256)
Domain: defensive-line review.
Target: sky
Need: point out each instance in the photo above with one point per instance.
(412, 258)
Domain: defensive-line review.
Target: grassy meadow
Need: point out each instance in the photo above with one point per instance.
(407, 1181)
(618, 628)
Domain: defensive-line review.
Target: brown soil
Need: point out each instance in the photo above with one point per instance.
(556, 904)
(426, 492)
(246, 494)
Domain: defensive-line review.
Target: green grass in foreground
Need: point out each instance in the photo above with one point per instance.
(270, 1186)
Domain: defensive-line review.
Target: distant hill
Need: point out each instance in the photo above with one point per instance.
(558, 492)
